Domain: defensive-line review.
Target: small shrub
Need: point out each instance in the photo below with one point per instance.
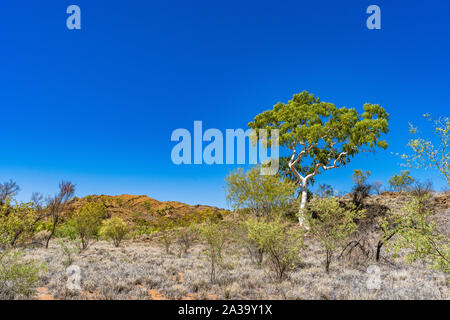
(280, 243)
(69, 250)
(186, 236)
(215, 236)
(255, 252)
(114, 229)
(166, 235)
(413, 230)
(427, 153)
(331, 224)
(377, 186)
(67, 229)
(420, 190)
(361, 189)
(17, 278)
(401, 182)
(87, 222)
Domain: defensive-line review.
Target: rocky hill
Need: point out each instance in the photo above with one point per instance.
(129, 207)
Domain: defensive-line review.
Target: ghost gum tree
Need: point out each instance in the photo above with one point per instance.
(320, 137)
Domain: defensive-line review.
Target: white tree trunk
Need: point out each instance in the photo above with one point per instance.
(304, 180)
(301, 211)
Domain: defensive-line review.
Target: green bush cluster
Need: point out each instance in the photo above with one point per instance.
(114, 229)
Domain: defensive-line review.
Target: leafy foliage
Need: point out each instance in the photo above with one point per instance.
(361, 189)
(69, 250)
(323, 130)
(413, 230)
(114, 229)
(18, 277)
(332, 223)
(18, 222)
(88, 221)
(279, 241)
(215, 235)
(321, 136)
(425, 154)
(401, 182)
(166, 233)
(260, 194)
(186, 237)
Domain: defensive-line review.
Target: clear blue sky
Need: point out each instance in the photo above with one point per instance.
(97, 106)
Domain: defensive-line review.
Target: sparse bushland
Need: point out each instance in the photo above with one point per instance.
(401, 182)
(87, 222)
(141, 270)
(279, 241)
(332, 223)
(114, 229)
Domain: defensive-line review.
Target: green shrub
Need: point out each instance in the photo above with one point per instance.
(428, 153)
(165, 232)
(401, 182)
(215, 236)
(280, 242)
(186, 237)
(88, 221)
(361, 190)
(412, 230)
(67, 229)
(114, 229)
(255, 252)
(18, 278)
(69, 250)
(18, 222)
(331, 224)
(262, 195)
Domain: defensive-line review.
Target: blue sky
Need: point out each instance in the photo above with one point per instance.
(97, 106)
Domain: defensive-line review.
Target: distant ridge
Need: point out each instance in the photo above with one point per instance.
(126, 206)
